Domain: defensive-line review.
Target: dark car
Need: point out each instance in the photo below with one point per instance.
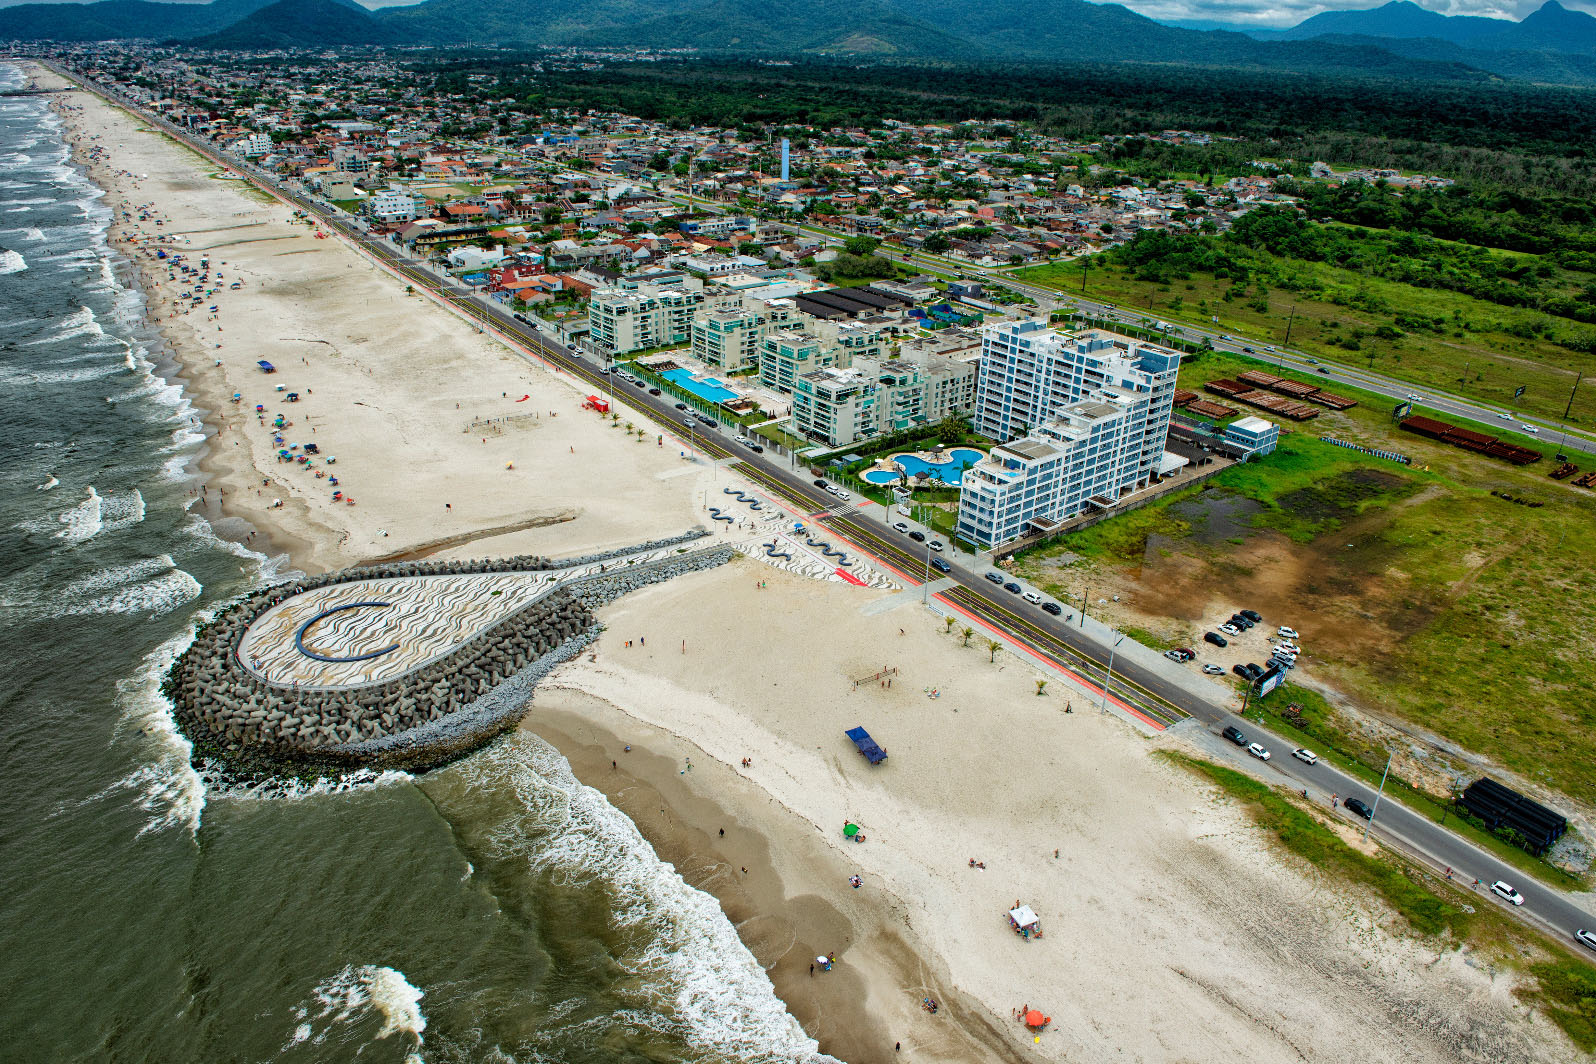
(1216, 639)
(1355, 805)
(1233, 733)
(653, 391)
(996, 578)
(1052, 607)
(1253, 671)
(941, 566)
(1241, 670)
(640, 384)
(681, 406)
(1012, 588)
(819, 483)
(1252, 615)
(756, 448)
(1249, 351)
(917, 536)
(1325, 370)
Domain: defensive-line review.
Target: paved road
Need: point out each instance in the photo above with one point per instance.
(1139, 692)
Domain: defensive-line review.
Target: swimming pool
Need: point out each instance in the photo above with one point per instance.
(708, 388)
(947, 472)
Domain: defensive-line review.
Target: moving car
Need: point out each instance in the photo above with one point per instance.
(1234, 734)
(1257, 750)
(1052, 607)
(1507, 893)
(1306, 756)
(1531, 429)
(1325, 370)
(1355, 805)
(1213, 670)
(1586, 937)
(1216, 639)
(941, 566)
(1505, 416)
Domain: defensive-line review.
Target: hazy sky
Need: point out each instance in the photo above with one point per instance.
(1276, 13)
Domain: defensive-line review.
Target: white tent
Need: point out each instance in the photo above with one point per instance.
(1023, 916)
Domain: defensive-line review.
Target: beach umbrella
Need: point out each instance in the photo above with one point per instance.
(1036, 1019)
(850, 830)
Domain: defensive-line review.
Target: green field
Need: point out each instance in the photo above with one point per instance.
(1479, 350)
(1423, 597)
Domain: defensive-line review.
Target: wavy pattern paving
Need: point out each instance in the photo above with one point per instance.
(426, 616)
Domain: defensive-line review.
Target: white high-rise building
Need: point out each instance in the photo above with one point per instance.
(1101, 405)
(1029, 372)
(643, 316)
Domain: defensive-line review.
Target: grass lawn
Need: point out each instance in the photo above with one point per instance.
(1468, 348)
(1563, 987)
(1423, 597)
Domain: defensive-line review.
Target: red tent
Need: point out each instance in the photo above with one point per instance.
(601, 405)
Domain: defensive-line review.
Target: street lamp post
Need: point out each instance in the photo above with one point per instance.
(1378, 795)
(1110, 678)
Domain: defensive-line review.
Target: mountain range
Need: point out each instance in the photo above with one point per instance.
(1400, 39)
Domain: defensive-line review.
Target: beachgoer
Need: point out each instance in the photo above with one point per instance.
(723, 833)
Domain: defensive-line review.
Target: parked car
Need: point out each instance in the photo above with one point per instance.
(917, 535)
(653, 391)
(1306, 756)
(899, 526)
(1032, 597)
(1187, 651)
(1252, 615)
(819, 483)
(1257, 750)
(683, 406)
(941, 565)
(1507, 893)
(1012, 588)
(1253, 670)
(839, 493)
(1241, 670)
(1289, 633)
(996, 578)
(1234, 734)
(756, 448)
(1215, 639)
(936, 545)
(1174, 655)
(1213, 670)
(1052, 607)
(1355, 805)
(1230, 629)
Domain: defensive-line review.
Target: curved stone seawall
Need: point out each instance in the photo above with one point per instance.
(423, 718)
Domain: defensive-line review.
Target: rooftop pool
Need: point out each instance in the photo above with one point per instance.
(948, 472)
(708, 388)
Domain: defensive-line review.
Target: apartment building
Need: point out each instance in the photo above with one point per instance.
(1089, 454)
(641, 316)
(880, 395)
(728, 339)
(836, 406)
(1029, 372)
(786, 356)
(391, 206)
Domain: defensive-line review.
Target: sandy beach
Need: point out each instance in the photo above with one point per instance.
(1172, 930)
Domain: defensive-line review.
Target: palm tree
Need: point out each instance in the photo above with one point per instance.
(992, 647)
(947, 624)
(1041, 685)
(968, 632)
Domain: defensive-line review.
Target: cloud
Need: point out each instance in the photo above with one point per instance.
(1281, 13)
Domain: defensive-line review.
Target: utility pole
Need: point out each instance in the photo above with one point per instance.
(1377, 797)
(1085, 597)
(1289, 321)
(1570, 405)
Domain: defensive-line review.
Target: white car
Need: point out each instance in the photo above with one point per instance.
(1306, 756)
(1230, 629)
(1507, 893)
(1256, 750)
(1289, 633)
(899, 526)
(1531, 429)
(1213, 670)
(1505, 416)
(839, 493)
(1586, 937)
(936, 545)
(1032, 597)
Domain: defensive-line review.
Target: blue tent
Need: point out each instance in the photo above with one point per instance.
(266, 367)
(867, 746)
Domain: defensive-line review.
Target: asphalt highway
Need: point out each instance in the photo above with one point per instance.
(1156, 701)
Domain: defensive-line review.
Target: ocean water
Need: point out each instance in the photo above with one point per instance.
(495, 910)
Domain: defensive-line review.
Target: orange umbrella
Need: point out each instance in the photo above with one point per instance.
(1036, 1019)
